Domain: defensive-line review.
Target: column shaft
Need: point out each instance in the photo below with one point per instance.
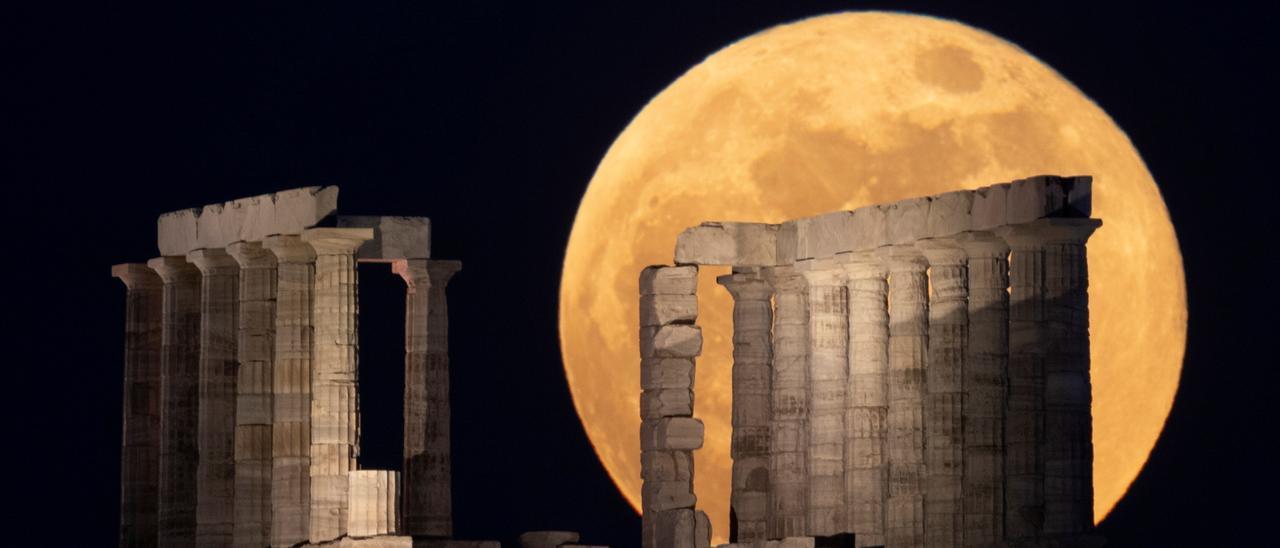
(1024, 409)
(828, 379)
(255, 350)
(908, 354)
(215, 475)
(944, 382)
(866, 469)
(789, 407)
(427, 472)
(179, 383)
(140, 443)
(752, 380)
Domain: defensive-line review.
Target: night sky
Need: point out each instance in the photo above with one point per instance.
(490, 119)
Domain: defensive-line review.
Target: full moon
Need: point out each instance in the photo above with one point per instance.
(834, 113)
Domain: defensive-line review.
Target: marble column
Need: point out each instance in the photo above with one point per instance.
(140, 443)
(216, 472)
(1068, 433)
(789, 407)
(335, 440)
(752, 380)
(255, 349)
(985, 372)
(944, 384)
(908, 354)
(828, 379)
(291, 390)
(427, 473)
(179, 403)
(867, 405)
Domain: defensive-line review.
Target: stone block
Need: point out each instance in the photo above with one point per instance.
(908, 220)
(671, 341)
(701, 530)
(671, 434)
(869, 228)
(219, 224)
(658, 310)
(669, 280)
(824, 235)
(659, 373)
(786, 242)
(246, 219)
(989, 208)
(734, 244)
(666, 466)
(677, 529)
(1080, 196)
(393, 237)
(671, 402)
(949, 214)
(547, 539)
(662, 496)
(1035, 198)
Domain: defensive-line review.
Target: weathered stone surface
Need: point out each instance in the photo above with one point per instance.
(786, 237)
(671, 434)
(656, 310)
(677, 529)
(665, 373)
(990, 207)
(908, 347)
(949, 214)
(828, 370)
(374, 502)
(671, 341)
(669, 280)
(907, 221)
(789, 401)
(247, 219)
(140, 445)
(736, 244)
(547, 539)
(701, 530)
(1045, 196)
(866, 465)
(824, 235)
(944, 428)
(667, 465)
(254, 397)
(671, 402)
(394, 237)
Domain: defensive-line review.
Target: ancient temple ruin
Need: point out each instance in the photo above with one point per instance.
(241, 412)
(907, 374)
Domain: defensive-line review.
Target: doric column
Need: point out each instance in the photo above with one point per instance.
(985, 372)
(140, 443)
(828, 379)
(944, 384)
(1068, 427)
(179, 380)
(291, 390)
(255, 348)
(908, 354)
(215, 475)
(866, 468)
(752, 379)
(789, 406)
(427, 472)
(334, 420)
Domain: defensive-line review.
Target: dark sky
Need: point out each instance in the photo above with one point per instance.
(490, 119)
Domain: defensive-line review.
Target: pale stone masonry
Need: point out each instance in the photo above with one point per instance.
(929, 370)
(241, 413)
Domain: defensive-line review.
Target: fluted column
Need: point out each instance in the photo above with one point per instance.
(908, 354)
(789, 407)
(140, 441)
(944, 384)
(215, 475)
(255, 348)
(335, 438)
(291, 390)
(427, 472)
(179, 383)
(985, 373)
(867, 404)
(828, 379)
(752, 379)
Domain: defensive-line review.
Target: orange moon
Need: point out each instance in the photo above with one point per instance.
(838, 112)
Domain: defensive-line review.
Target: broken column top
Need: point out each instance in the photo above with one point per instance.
(901, 222)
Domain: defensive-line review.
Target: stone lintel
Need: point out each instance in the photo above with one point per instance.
(732, 244)
(246, 219)
(1049, 231)
(394, 237)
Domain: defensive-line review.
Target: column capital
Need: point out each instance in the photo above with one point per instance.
(746, 286)
(251, 254)
(336, 241)
(1052, 230)
(172, 268)
(943, 251)
(823, 271)
(785, 279)
(213, 261)
(859, 265)
(136, 275)
(903, 258)
(983, 244)
(289, 248)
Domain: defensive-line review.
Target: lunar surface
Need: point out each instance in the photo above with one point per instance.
(843, 111)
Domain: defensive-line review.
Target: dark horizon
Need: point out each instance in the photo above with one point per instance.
(490, 120)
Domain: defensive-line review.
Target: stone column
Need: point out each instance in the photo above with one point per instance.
(828, 379)
(669, 343)
(255, 350)
(427, 472)
(1068, 433)
(752, 380)
(944, 384)
(908, 354)
(985, 372)
(335, 422)
(291, 390)
(789, 407)
(867, 405)
(179, 383)
(216, 473)
(140, 443)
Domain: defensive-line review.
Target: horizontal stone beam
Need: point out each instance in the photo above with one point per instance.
(394, 238)
(246, 219)
(738, 244)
